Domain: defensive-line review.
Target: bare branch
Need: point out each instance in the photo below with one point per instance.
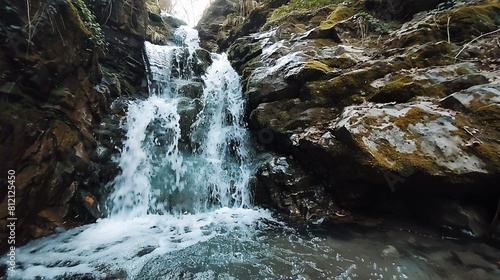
(473, 40)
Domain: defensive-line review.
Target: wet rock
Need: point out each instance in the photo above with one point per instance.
(55, 100)
(210, 25)
(465, 23)
(324, 33)
(291, 190)
(242, 51)
(439, 81)
(191, 90)
(390, 114)
(188, 109)
(473, 260)
(227, 20)
(172, 21)
(88, 207)
(474, 98)
(390, 252)
(417, 133)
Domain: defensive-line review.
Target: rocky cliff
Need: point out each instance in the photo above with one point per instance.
(387, 107)
(62, 63)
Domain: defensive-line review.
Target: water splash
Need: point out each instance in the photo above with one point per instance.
(185, 167)
(213, 170)
(188, 38)
(220, 141)
(151, 163)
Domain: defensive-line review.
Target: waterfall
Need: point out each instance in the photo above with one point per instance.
(180, 208)
(159, 173)
(185, 169)
(220, 140)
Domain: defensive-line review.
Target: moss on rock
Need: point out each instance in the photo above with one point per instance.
(309, 71)
(464, 24)
(471, 20)
(339, 14)
(430, 54)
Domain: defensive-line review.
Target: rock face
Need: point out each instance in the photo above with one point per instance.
(226, 20)
(388, 114)
(61, 67)
(213, 21)
(401, 9)
(292, 190)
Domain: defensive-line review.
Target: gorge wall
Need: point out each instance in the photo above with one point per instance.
(371, 108)
(62, 64)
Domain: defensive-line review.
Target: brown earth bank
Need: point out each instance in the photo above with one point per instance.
(370, 108)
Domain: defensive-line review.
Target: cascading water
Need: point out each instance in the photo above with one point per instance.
(185, 167)
(180, 209)
(213, 169)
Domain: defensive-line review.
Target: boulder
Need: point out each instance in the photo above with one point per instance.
(389, 115)
(291, 190)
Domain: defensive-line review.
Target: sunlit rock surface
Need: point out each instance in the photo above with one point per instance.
(394, 102)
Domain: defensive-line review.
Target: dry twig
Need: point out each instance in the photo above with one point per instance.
(473, 40)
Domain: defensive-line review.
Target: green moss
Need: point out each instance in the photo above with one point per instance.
(488, 14)
(343, 90)
(489, 114)
(339, 14)
(431, 54)
(387, 157)
(413, 116)
(404, 89)
(298, 5)
(490, 153)
(462, 70)
(243, 53)
(343, 62)
(58, 92)
(83, 18)
(489, 150)
(470, 21)
(317, 65)
(74, 17)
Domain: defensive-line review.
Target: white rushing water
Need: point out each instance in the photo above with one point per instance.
(166, 198)
(181, 207)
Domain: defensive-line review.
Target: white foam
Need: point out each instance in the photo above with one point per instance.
(165, 198)
(150, 148)
(113, 245)
(188, 38)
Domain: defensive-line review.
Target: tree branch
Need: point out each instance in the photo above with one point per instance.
(473, 40)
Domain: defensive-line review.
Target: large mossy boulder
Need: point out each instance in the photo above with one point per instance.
(390, 113)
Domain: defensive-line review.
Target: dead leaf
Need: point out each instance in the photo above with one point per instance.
(90, 200)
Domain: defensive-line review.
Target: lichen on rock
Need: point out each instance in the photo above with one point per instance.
(401, 90)
(418, 135)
